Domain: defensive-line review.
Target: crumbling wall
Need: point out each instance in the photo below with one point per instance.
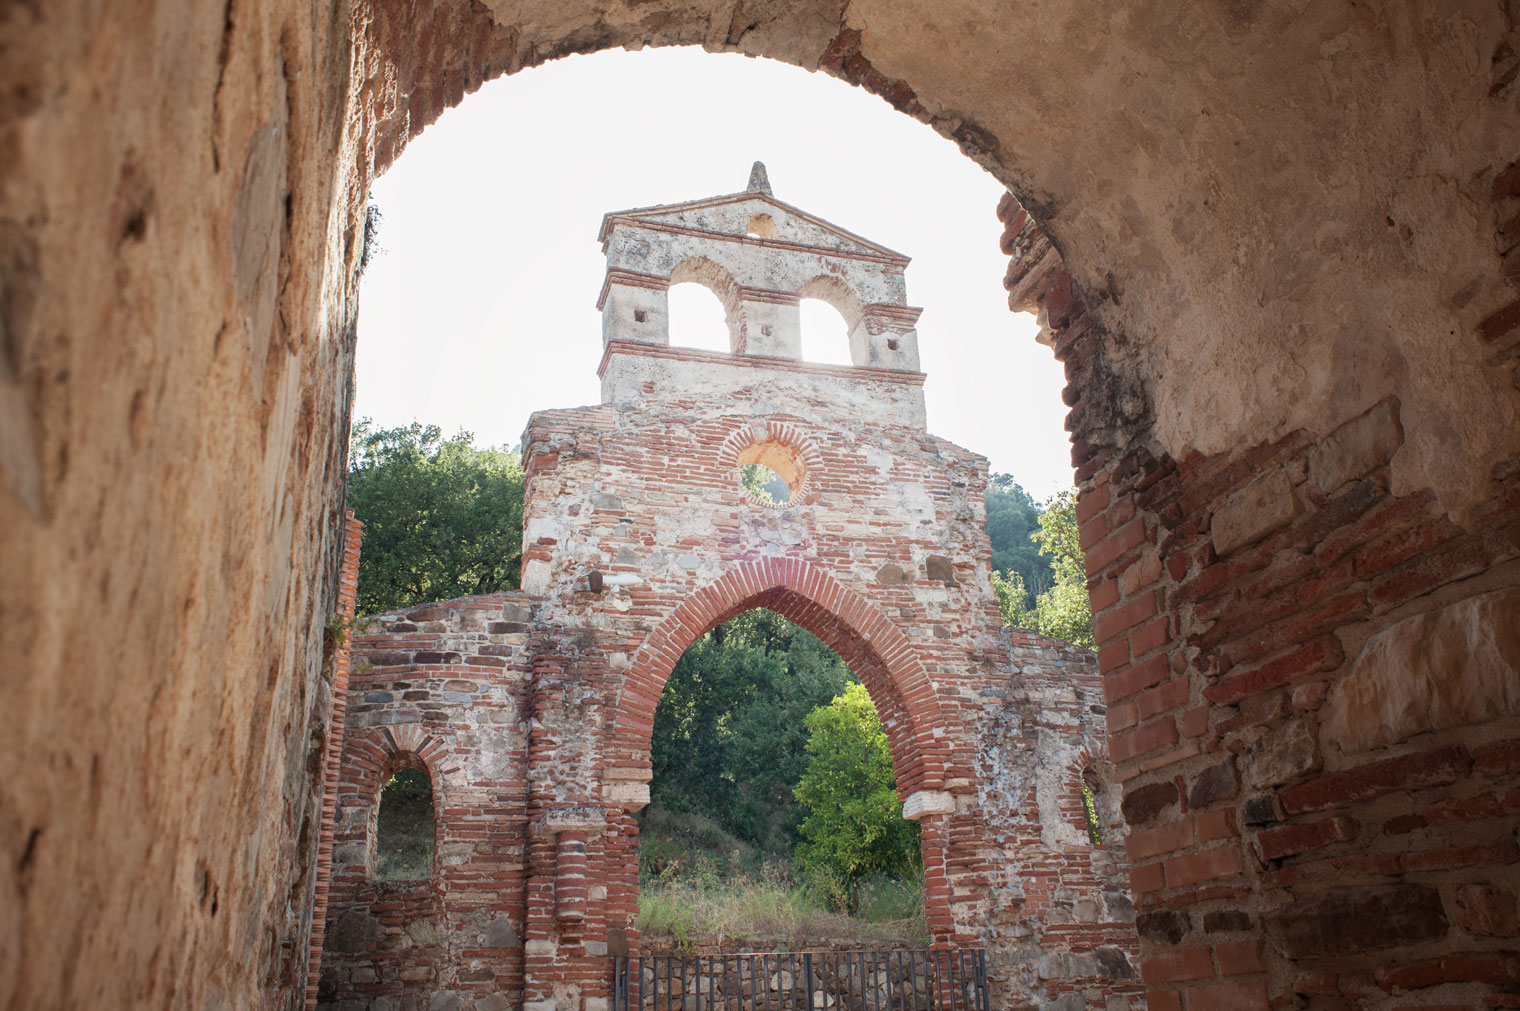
(639, 537)
(1057, 915)
(1313, 681)
(1281, 217)
(444, 687)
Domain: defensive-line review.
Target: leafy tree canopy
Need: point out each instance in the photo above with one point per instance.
(442, 518)
(1012, 517)
(729, 732)
(1062, 610)
(854, 827)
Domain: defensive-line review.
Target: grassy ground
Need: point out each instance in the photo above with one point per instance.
(700, 884)
(405, 829)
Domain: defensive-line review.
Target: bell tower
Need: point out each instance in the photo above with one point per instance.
(761, 257)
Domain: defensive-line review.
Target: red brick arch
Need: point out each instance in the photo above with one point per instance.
(917, 726)
(388, 749)
(372, 759)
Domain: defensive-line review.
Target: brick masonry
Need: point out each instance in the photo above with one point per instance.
(1313, 683)
(532, 711)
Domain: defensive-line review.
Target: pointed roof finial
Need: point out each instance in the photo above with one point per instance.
(759, 182)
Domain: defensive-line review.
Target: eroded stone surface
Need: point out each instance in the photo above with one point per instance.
(1448, 668)
(1325, 238)
(536, 731)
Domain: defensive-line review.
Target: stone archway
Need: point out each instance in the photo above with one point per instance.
(865, 638)
(929, 746)
(1282, 222)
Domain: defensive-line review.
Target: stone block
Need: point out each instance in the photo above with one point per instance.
(1216, 783)
(1448, 668)
(925, 803)
(424, 931)
(1358, 447)
(1281, 755)
(500, 934)
(939, 568)
(1113, 963)
(1358, 919)
(629, 796)
(1254, 511)
(1485, 909)
(1065, 965)
(355, 931)
(1144, 803)
(1162, 926)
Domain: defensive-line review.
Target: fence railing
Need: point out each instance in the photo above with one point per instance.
(885, 980)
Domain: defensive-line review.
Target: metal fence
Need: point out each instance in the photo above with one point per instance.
(886, 980)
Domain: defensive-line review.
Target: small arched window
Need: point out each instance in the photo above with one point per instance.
(761, 226)
(825, 335)
(404, 828)
(697, 319)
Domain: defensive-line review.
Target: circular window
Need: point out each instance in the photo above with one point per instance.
(772, 474)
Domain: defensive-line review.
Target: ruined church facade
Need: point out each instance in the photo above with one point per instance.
(531, 711)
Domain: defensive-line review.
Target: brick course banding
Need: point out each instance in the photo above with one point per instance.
(541, 757)
(1324, 678)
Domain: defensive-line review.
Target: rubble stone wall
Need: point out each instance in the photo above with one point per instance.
(1313, 683)
(181, 229)
(442, 688)
(638, 538)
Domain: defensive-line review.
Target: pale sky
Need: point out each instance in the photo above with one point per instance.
(482, 306)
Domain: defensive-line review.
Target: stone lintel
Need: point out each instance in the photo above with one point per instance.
(629, 795)
(926, 803)
(590, 820)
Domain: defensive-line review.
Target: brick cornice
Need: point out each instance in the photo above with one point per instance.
(858, 372)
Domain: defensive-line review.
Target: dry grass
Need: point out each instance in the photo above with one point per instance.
(774, 912)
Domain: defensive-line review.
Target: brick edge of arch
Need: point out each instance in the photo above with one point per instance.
(386, 747)
(806, 594)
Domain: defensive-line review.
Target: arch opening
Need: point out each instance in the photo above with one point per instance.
(697, 319)
(922, 756)
(761, 226)
(405, 823)
(774, 775)
(825, 333)
(773, 782)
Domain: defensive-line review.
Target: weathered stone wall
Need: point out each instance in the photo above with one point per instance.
(1313, 683)
(1280, 216)
(443, 687)
(1057, 910)
(638, 537)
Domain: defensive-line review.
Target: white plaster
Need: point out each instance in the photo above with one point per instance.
(627, 795)
(925, 803)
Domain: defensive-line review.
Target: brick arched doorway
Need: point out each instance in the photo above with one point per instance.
(929, 746)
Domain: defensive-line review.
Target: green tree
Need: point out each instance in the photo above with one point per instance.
(1063, 610)
(1012, 516)
(729, 731)
(854, 828)
(442, 519)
